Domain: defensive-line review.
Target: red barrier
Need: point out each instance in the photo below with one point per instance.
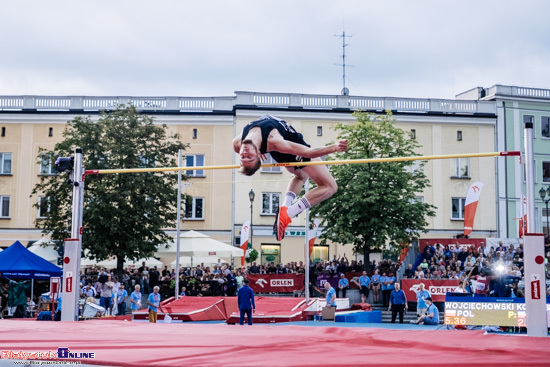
(437, 288)
(279, 283)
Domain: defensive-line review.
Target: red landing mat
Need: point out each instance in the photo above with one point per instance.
(122, 343)
(272, 309)
(268, 309)
(195, 309)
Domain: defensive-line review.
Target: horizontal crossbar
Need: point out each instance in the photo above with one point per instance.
(311, 163)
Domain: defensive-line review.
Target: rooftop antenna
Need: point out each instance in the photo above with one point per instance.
(345, 90)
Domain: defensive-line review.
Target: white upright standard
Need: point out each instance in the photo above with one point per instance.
(533, 252)
(71, 258)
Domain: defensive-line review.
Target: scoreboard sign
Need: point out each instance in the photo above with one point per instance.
(486, 311)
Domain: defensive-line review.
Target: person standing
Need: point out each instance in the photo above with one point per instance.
(245, 300)
(376, 285)
(331, 295)
(122, 295)
(239, 279)
(135, 299)
(153, 301)
(106, 295)
(231, 283)
(397, 303)
(421, 295)
(364, 282)
(385, 293)
(154, 277)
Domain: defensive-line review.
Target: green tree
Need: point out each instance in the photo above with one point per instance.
(124, 215)
(375, 207)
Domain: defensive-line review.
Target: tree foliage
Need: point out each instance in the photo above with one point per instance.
(124, 215)
(376, 206)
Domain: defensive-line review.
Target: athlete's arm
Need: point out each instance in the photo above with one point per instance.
(277, 143)
(237, 144)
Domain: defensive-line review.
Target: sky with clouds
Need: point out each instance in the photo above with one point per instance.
(398, 48)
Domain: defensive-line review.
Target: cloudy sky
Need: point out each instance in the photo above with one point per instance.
(401, 48)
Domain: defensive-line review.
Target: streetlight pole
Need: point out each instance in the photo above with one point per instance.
(251, 196)
(543, 193)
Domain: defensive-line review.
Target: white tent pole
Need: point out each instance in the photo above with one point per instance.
(178, 225)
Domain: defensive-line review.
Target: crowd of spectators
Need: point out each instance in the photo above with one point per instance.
(221, 279)
(494, 270)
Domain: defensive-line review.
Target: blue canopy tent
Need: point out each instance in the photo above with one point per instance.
(19, 263)
(16, 262)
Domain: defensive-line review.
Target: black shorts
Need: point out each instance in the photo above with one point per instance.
(364, 290)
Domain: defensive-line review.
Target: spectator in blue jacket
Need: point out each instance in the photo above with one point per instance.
(245, 300)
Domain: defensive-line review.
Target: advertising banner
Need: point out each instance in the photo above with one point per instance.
(437, 288)
(278, 283)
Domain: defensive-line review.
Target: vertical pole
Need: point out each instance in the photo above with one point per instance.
(529, 180)
(178, 225)
(306, 250)
(535, 280)
(251, 212)
(73, 246)
(547, 221)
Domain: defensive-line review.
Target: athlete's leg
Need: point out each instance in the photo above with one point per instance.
(326, 187)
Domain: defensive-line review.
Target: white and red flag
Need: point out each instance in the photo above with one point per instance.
(470, 206)
(245, 232)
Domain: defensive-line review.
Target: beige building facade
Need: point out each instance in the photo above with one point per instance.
(221, 201)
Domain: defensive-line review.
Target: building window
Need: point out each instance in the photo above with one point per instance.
(458, 208)
(270, 169)
(195, 161)
(319, 253)
(146, 162)
(43, 206)
(46, 165)
(4, 206)
(413, 134)
(460, 168)
(193, 208)
(415, 167)
(459, 135)
(5, 163)
(195, 133)
(545, 127)
(50, 131)
(546, 172)
(270, 254)
(319, 131)
(3, 131)
(270, 202)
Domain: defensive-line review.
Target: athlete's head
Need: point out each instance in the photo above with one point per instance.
(250, 158)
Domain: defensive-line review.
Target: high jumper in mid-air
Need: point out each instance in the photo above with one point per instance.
(276, 137)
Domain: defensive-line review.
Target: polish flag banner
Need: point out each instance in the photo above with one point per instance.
(245, 233)
(471, 206)
(312, 234)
